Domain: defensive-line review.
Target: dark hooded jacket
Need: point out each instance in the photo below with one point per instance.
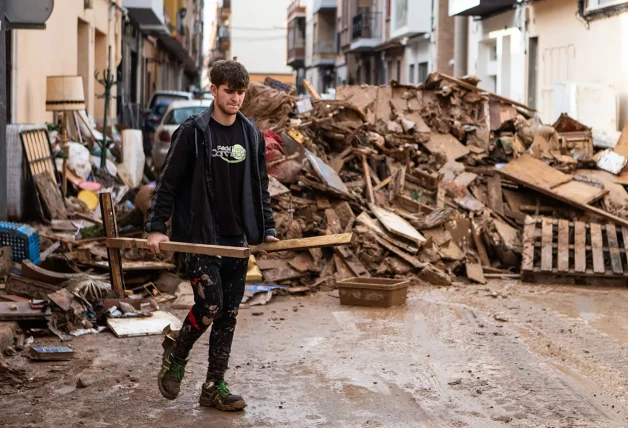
(185, 189)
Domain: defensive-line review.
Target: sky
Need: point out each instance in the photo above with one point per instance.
(209, 13)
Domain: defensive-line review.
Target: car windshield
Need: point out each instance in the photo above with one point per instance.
(178, 116)
(168, 97)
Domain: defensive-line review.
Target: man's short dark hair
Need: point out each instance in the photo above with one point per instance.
(230, 73)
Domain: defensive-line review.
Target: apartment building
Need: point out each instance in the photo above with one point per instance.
(161, 49)
(376, 41)
(220, 40)
(296, 27)
(555, 55)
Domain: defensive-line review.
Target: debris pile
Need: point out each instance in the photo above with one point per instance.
(437, 182)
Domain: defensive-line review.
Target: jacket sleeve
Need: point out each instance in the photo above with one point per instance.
(267, 211)
(166, 189)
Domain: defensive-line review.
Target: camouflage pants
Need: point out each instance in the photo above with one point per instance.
(218, 284)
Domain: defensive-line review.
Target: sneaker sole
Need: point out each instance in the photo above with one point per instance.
(233, 407)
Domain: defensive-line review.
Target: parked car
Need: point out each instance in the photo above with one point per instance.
(176, 114)
(204, 95)
(159, 96)
(152, 121)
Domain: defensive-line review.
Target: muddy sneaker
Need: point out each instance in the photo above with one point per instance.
(172, 371)
(218, 396)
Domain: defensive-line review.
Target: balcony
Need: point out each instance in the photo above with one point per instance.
(296, 53)
(148, 14)
(324, 53)
(409, 18)
(324, 5)
(482, 8)
(366, 31)
(224, 37)
(296, 9)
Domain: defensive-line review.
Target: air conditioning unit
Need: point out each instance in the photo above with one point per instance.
(593, 104)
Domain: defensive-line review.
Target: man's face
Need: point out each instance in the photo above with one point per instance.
(227, 99)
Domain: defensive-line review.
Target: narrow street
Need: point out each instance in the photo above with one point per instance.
(505, 354)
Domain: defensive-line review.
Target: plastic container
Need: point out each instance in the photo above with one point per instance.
(378, 292)
(23, 240)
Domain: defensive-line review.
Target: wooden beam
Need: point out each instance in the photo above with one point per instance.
(181, 247)
(367, 178)
(311, 90)
(110, 225)
(306, 243)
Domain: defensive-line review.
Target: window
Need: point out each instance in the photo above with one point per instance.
(411, 74)
(178, 116)
(398, 70)
(423, 67)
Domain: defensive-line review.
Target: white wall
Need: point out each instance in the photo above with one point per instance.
(258, 35)
(417, 50)
(568, 51)
(497, 55)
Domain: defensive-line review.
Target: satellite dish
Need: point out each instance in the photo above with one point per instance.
(30, 12)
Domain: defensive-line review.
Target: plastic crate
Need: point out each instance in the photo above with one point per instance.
(23, 239)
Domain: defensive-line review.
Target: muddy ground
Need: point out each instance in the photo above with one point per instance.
(505, 354)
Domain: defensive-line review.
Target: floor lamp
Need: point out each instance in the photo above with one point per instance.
(64, 94)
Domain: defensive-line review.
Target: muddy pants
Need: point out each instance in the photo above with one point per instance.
(218, 284)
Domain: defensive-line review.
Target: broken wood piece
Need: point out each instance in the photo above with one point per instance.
(351, 260)
(114, 258)
(434, 276)
(375, 226)
(495, 198)
(30, 288)
(367, 179)
(266, 264)
(50, 197)
(37, 273)
(275, 188)
(326, 173)
(411, 205)
(19, 311)
(306, 243)
(382, 184)
(181, 247)
(397, 225)
(282, 274)
(479, 245)
(446, 145)
(311, 90)
(538, 176)
(475, 273)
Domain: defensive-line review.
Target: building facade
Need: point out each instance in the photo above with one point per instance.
(374, 41)
(555, 56)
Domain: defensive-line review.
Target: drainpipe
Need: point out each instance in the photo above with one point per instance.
(461, 35)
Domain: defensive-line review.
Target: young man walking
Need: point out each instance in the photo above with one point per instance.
(214, 184)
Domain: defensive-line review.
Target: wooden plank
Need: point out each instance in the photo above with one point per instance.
(447, 145)
(624, 232)
(326, 173)
(155, 324)
(412, 205)
(181, 247)
(596, 247)
(479, 245)
(580, 192)
(547, 233)
(530, 170)
(397, 225)
(367, 178)
(136, 265)
(515, 175)
(266, 264)
(563, 245)
(613, 246)
(352, 261)
(375, 226)
(475, 273)
(281, 274)
(406, 257)
(114, 257)
(311, 90)
(37, 273)
(306, 243)
(50, 196)
(495, 198)
(18, 311)
(580, 241)
(440, 197)
(29, 287)
(528, 239)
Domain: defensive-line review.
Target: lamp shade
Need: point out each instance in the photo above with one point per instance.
(64, 93)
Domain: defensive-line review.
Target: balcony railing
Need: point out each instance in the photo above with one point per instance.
(296, 9)
(366, 25)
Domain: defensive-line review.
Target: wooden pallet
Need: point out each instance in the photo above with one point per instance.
(576, 249)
